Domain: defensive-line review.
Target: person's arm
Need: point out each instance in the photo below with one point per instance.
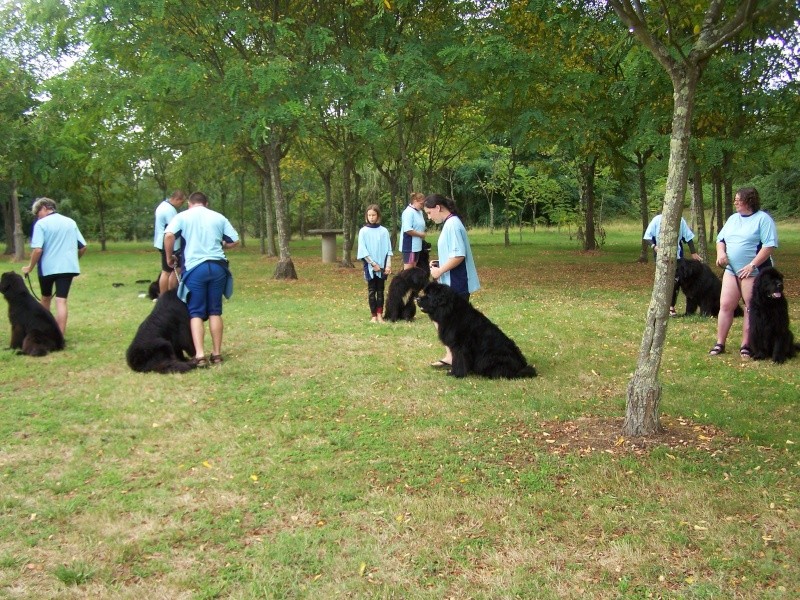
(36, 254)
(169, 247)
(693, 250)
(450, 264)
(722, 255)
(759, 261)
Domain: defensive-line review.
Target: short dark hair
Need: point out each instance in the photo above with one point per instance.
(749, 195)
(198, 198)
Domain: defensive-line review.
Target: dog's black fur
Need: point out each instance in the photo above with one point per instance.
(162, 338)
(477, 345)
(406, 286)
(153, 290)
(701, 287)
(34, 330)
(770, 336)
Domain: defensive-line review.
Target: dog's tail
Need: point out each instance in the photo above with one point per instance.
(527, 371)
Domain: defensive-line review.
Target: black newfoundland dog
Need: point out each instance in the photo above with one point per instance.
(478, 345)
(770, 336)
(34, 330)
(162, 338)
(406, 286)
(701, 287)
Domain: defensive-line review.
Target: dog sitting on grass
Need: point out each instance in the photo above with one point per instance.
(163, 338)
(477, 345)
(768, 312)
(34, 330)
(406, 286)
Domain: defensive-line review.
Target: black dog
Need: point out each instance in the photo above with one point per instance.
(406, 286)
(477, 345)
(153, 290)
(162, 338)
(701, 287)
(34, 330)
(770, 336)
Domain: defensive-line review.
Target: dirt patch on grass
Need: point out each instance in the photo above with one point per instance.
(586, 435)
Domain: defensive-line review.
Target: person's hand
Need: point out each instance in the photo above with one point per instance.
(746, 271)
(722, 260)
(436, 272)
(696, 256)
(388, 271)
(26, 269)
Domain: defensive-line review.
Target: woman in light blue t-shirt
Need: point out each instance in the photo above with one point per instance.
(455, 266)
(745, 243)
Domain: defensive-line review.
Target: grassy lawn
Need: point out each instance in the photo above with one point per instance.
(325, 459)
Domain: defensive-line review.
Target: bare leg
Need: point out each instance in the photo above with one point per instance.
(198, 335)
(215, 327)
(747, 295)
(728, 300)
(173, 281)
(61, 314)
(163, 282)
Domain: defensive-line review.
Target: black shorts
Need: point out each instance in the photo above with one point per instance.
(62, 281)
(164, 266)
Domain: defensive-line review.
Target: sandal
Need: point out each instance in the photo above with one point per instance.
(216, 359)
(673, 312)
(440, 364)
(200, 362)
(717, 350)
(745, 352)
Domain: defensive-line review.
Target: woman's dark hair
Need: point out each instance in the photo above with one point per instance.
(435, 200)
(750, 197)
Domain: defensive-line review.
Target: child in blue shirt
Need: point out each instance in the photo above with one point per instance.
(375, 250)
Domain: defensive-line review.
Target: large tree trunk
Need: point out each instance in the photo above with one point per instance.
(285, 267)
(644, 390)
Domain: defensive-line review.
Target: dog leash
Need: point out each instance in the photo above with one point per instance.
(30, 286)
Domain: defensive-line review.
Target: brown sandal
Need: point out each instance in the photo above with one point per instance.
(216, 359)
(199, 362)
(717, 350)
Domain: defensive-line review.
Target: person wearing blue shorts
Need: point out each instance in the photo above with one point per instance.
(56, 247)
(205, 236)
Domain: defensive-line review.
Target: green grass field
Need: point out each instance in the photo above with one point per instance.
(325, 458)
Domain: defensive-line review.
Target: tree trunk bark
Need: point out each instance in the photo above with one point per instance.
(347, 211)
(285, 267)
(644, 208)
(698, 206)
(19, 236)
(644, 390)
(587, 172)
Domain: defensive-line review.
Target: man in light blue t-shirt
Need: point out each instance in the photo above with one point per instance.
(165, 212)
(56, 246)
(205, 275)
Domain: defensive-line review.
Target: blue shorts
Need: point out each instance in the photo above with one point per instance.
(206, 283)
